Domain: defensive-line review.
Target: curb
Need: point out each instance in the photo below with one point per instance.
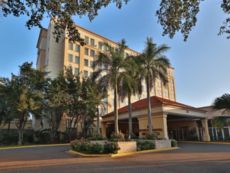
(33, 146)
(144, 152)
(121, 154)
(72, 152)
(200, 142)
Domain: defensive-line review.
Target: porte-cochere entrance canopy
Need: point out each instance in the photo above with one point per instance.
(170, 120)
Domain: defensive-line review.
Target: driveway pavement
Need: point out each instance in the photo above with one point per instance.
(198, 158)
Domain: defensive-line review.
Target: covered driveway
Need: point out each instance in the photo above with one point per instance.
(170, 120)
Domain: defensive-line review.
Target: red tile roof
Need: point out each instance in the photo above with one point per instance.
(155, 102)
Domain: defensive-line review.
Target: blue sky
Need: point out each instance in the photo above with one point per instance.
(201, 64)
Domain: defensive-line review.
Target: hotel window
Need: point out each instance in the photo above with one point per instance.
(77, 59)
(70, 46)
(86, 62)
(86, 51)
(76, 71)
(92, 42)
(100, 45)
(91, 64)
(92, 53)
(77, 48)
(86, 73)
(86, 40)
(70, 58)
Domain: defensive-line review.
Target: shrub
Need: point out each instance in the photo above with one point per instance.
(145, 145)
(118, 137)
(111, 147)
(173, 143)
(8, 137)
(42, 137)
(96, 148)
(96, 138)
(85, 146)
(152, 136)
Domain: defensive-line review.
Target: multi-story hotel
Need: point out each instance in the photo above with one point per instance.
(53, 57)
(170, 119)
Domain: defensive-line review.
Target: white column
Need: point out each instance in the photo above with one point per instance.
(222, 132)
(103, 129)
(206, 136)
(216, 134)
(213, 137)
(160, 122)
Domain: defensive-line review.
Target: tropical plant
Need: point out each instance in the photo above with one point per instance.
(152, 65)
(129, 84)
(74, 103)
(109, 65)
(6, 115)
(218, 122)
(222, 102)
(98, 96)
(23, 96)
(54, 104)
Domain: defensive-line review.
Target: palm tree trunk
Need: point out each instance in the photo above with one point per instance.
(20, 136)
(150, 126)
(115, 111)
(130, 117)
(98, 122)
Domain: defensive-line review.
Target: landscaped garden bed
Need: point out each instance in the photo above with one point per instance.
(115, 147)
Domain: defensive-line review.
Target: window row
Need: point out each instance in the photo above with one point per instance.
(76, 71)
(90, 52)
(90, 41)
(75, 59)
(75, 47)
(88, 63)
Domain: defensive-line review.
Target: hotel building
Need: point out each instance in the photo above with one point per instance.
(53, 57)
(170, 118)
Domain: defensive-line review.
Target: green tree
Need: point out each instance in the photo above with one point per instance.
(74, 103)
(173, 15)
(109, 66)
(23, 96)
(89, 107)
(98, 96)
(129, 84)
(6, 114)
(152, 65)
(222, 102)
(55, 104)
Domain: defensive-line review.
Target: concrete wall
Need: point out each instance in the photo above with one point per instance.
(159, 125)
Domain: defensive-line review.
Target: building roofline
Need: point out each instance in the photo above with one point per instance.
(39, 37)
(78, 26)
(158, 101)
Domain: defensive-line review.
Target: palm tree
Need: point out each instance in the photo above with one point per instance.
(153, 64)
(129, 84)
(108, 69)
(98, 96)
(222, 102)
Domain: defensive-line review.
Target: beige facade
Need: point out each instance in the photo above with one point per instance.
(54, 57)
(170, 119)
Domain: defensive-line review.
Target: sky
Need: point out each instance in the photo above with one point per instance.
(202, 63)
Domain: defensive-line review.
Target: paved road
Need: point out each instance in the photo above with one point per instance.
(198, 158)
(37, 153)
